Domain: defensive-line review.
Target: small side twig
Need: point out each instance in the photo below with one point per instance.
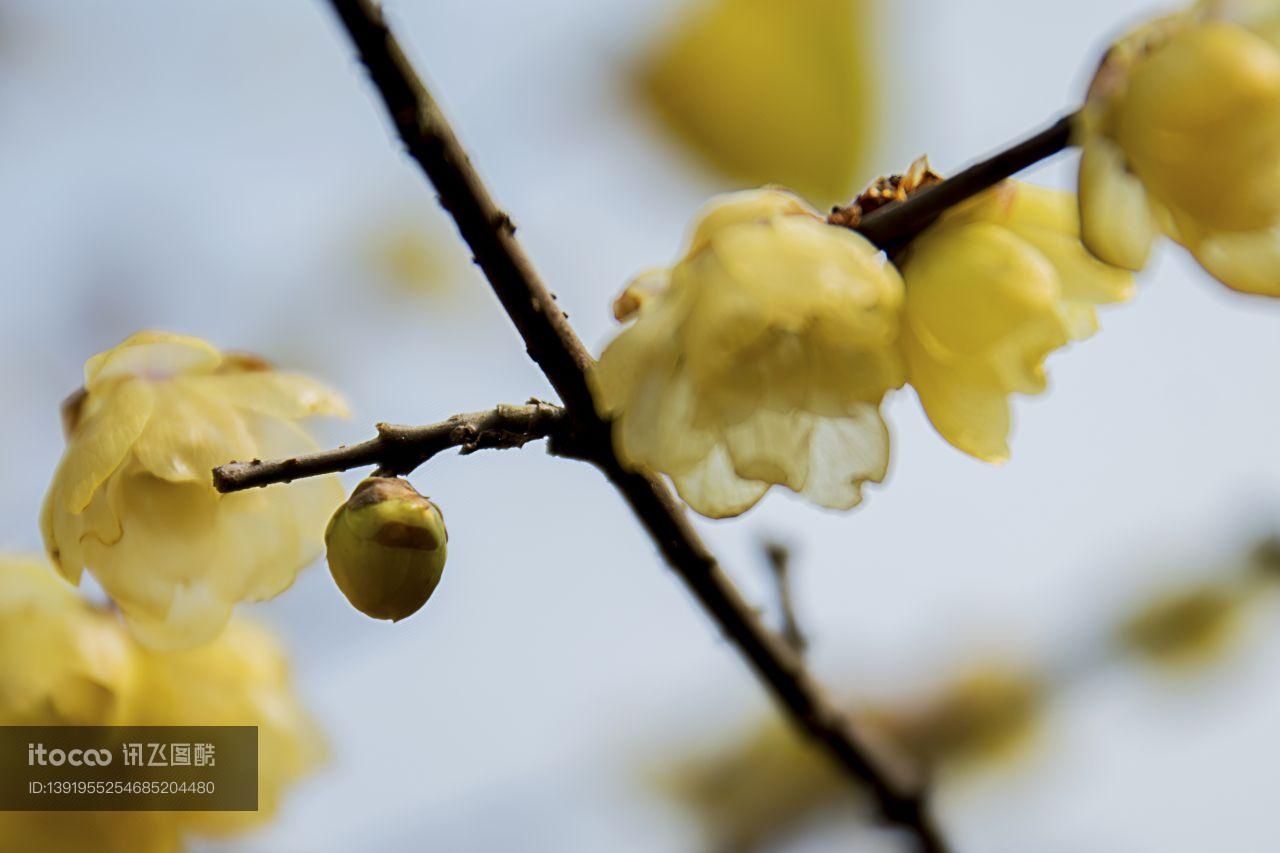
(778, 557)
(400, 449)
(892, 226)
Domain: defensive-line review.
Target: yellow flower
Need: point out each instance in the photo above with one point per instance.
(770, 91)
(61, 661)
(91, 832)
(1187, 627)
(994, 287)
(763, 360)
(133, 500)
(1181, 134)
(65, 662)
(240, 679)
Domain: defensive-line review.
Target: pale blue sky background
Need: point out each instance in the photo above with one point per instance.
(209, 168)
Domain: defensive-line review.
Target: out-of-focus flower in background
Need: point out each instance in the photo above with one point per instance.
(771, 92)
(61, 662)
(240, 679)
(759, 359)
(770, 783)
(410, 257)
(991, 290)
(133, 499)
(1181, 134)
(64, 661)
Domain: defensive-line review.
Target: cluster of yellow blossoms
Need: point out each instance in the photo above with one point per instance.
(1181, 134)
(65, 662)
(133, 498)
(762, 356)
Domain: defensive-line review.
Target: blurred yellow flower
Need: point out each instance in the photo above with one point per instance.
(91, 832)
(1181, 134)
(240, 679)
(988, 714)
(761, 359)
(772, 92)
(133, 501)
(61, 661)
(66, 662)
(991, 289)
(1185, 628)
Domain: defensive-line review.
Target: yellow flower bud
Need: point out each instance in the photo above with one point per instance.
(994, 287)
(386, 547)
(133, 498)
(1181, 133)
(760, 359)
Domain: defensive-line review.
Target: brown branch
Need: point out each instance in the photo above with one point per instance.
(893, 225)
(400, 449)
(555, 347)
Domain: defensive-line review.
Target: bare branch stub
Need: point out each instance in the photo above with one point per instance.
(401, 449)
(778, 557)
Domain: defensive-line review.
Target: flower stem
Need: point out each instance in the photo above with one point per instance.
(893, 225)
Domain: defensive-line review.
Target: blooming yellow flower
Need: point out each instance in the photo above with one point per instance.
(61, 661)
(240, 679)
(761, 360)
(994, 287)
(66, 662)
(133, 500)
(1181, 134)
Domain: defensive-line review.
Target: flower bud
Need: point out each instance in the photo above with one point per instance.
(386, 548)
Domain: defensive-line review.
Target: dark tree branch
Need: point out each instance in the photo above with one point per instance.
(893, 225)
(400, 449)
(555, 347)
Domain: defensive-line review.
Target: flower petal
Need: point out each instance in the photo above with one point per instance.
(1116, 223)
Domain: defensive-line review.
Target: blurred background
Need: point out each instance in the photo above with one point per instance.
(222, 169)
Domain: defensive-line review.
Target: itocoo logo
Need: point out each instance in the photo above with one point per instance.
(38, 755)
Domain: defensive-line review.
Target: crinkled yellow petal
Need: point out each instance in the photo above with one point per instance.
(1115, 214)
(150, 355)
(712, 488)
(844, 453)
(1245, 261)
(100, 442)
(190, 434)
(771, 446)
(281, 395)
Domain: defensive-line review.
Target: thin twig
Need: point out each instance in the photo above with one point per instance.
(891, 226)
(555, 347)
(778, 557)
(400, 449)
